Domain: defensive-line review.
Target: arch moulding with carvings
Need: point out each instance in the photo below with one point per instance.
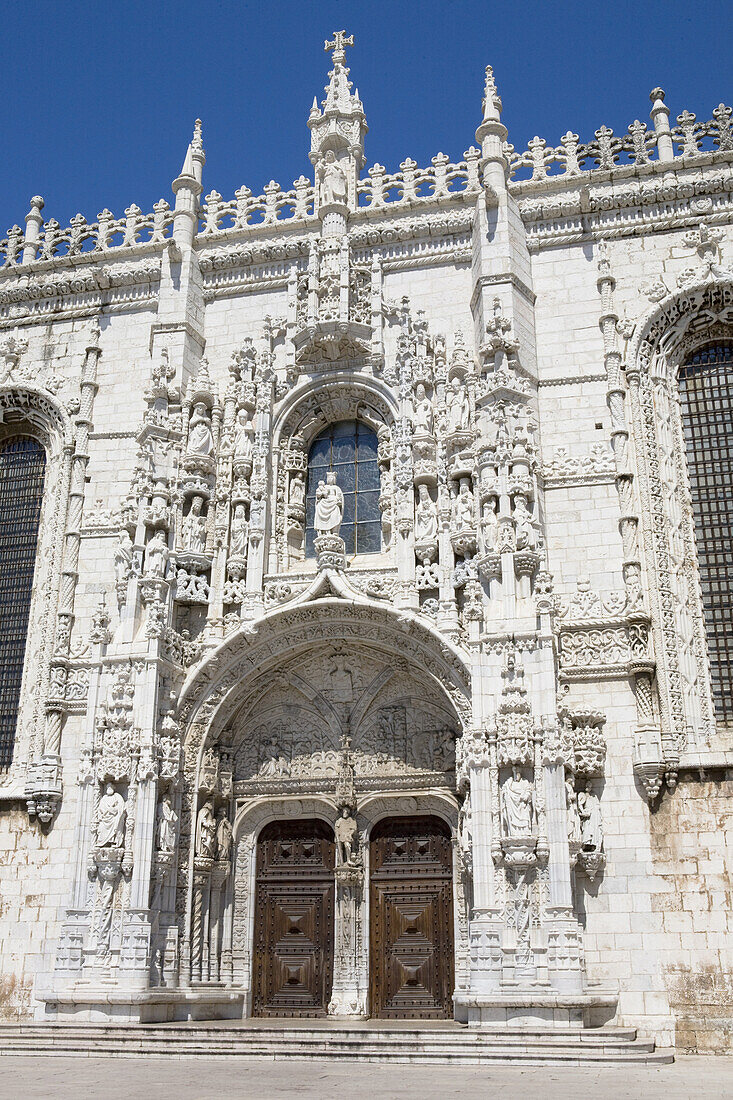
(29, 410)
(665, 335)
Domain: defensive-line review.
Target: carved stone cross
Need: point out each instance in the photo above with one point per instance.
(340, 41)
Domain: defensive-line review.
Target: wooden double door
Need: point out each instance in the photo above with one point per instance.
(411, 919)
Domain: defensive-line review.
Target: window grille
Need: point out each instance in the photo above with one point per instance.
(706, 394)
(349, 449)
(22, 469)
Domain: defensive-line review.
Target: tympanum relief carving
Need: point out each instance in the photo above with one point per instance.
(400, 726)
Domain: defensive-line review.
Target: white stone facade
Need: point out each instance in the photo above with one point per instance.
(525, 657)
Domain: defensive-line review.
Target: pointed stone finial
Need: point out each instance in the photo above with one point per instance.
(491, 135)
(491, 101)
(197, 142)
(659, 115)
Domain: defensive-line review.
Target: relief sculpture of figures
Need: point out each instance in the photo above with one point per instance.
(517, 806)
(111, 817)
(329, 506)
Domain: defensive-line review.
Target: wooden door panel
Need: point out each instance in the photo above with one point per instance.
(294, 914)
(411, 919)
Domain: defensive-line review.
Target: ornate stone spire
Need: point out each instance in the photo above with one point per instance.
(492, 135)
(187, 187)
(339, 127)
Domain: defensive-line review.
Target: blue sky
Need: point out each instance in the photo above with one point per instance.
(100, 96)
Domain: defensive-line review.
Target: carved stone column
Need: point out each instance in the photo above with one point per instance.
(349, 995)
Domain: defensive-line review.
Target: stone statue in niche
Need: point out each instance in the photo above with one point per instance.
(347, 834)
(571, 799)
(459, 410)
(123, 557)
(223, 835)
(296, 495)
(156, 556)
(490, 525)
(329, 506)
(240, 531)
(243, 438)
(194, 528)
(463, 506)
(110, 819)
(423, 411)
(517, 806)
(167, 821)
(526, 534)
(426, 516)
(200, 437)
(465, 837)
(589, 809)
(206, 831)
(333, 181)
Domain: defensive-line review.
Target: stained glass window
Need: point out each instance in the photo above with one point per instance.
(349, 449)
(22, 469)
(706, 394)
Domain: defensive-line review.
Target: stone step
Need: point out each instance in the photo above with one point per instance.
(358, 1044)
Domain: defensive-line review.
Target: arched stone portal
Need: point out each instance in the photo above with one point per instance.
(334, 725)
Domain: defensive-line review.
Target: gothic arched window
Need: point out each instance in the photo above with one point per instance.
(349, 448)
(706, 395)
(22, 470)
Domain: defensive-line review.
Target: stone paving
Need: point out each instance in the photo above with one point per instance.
(64, 1078)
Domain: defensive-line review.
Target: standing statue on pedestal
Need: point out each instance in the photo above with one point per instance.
(167, 820)
(329, 506)
(194, 528)
(517, 808)
(240, 532)
(423, 411)
(156, 556)
(200, 438)
(333, 181)
(347, 837)
(589, 809)
(123, 557)
(426, 516)
(243, 438)
(223, 835)
(571, 799)
(206, 831)
(110, 821)
(459, 410)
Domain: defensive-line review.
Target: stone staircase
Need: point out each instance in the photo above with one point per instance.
(426, 1043)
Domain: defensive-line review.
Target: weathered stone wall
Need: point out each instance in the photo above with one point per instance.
(692, 852)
